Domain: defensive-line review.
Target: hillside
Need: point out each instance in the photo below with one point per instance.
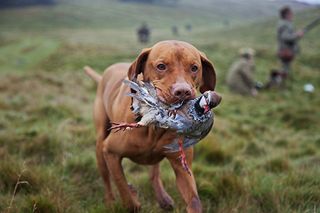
(103, 13)
(262, 155)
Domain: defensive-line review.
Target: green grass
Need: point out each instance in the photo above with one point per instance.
(261, 156)
(26, 53)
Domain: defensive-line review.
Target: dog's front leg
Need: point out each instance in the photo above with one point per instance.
(127, 195)
(186, 183)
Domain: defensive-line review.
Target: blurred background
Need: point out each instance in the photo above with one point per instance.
(261, 156)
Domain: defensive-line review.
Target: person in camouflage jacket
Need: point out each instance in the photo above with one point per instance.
(240, 78)
(287, 39)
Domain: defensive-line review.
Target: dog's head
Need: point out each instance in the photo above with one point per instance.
(176, 69)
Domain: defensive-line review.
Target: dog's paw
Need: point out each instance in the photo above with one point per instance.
(166, 203)
(134, 207)
(109, 199)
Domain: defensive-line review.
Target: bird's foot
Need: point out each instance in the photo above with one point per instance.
(182, 158)
(123, 126)
(184, 163)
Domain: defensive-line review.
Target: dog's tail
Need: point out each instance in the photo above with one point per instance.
(92, 74)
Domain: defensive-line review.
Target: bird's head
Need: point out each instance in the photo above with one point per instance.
(207, 101)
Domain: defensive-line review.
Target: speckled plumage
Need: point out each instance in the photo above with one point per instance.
(188, 119)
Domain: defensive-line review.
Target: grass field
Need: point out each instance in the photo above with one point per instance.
(263, 154)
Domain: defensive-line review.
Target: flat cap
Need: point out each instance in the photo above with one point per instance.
(247, 51)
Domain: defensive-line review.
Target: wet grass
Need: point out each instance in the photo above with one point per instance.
(261, 156)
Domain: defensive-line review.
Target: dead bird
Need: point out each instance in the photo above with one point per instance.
(191, 120)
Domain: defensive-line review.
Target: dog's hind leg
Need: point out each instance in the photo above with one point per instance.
(163, 198)
(102, 124)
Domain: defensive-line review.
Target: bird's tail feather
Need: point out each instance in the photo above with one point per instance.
(132, 85)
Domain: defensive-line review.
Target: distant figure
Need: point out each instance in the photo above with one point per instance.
(240, 78)
(174, 30)
(287, 39)
(276, 79)
(143, 33)
(188, 27)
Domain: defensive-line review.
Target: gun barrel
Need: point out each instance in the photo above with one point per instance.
(311, 25)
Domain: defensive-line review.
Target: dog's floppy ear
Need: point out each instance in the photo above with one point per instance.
(138, 65)
(208, 81)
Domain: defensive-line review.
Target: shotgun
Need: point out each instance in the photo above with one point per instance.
(311, 25)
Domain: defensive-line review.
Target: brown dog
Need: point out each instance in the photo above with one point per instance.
(177, 69)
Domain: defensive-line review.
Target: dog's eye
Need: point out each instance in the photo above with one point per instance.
(161, 67)
(194, 68)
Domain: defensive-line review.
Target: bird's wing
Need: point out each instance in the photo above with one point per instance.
(207, 128)
(189, 142)
(148, 118)
(135, 106)
(172, 147)
(177, 122)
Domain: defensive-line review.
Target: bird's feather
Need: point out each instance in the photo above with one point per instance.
(187, 121)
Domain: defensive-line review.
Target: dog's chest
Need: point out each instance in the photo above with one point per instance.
(147, 158)
(146, 145)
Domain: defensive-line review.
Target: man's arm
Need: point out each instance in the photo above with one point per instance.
(288, 35)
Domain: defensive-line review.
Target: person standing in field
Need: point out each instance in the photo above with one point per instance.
(240, 78)
(287, 39)
(143, 33)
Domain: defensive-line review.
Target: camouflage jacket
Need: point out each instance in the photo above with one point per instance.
(240, 77)
(286, 36)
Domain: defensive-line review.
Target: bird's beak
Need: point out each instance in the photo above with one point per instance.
(206, 108)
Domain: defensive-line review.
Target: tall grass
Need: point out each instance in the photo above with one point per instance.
(261, 156)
